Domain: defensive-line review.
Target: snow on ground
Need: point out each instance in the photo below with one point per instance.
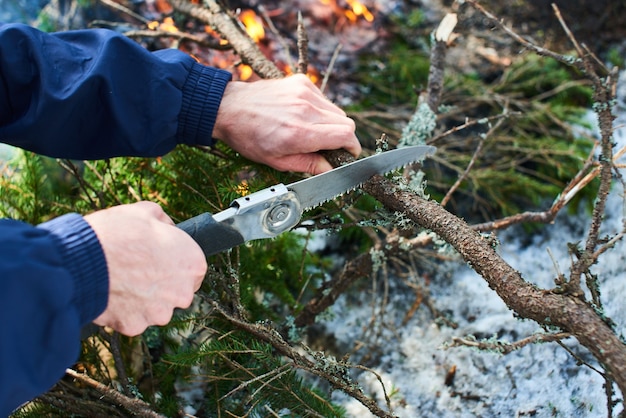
(539, 380)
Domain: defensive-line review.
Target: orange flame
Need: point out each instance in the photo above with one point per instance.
(253, 24)
(356, 9)
(311, 72)
(208, 29)
(313, 75)
(167, 25)
(359, 9)
(245, 72)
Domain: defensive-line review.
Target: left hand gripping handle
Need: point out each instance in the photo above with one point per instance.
(212, 236)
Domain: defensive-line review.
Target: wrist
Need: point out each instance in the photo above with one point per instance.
(230, 102)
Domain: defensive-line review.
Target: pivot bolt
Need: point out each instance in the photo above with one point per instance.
(278, 214)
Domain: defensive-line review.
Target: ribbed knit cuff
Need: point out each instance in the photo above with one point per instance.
(84, 258)
(202, 95)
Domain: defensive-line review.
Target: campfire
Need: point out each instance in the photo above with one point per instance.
(352, 10)
(330, 25)
(253, 24)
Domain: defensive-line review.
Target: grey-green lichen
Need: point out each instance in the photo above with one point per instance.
(416, 183)
(439, 243)
(378, 259)
(329, 365)
(294, 333)
(420, 127)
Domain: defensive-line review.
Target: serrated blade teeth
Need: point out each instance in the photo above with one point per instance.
(316, 190)
(307, 208)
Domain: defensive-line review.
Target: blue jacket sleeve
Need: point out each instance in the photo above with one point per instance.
(93, 94)
(83, 95)
(53, 281)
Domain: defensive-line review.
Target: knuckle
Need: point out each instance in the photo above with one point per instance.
(202, 267)
(163, 316)
(133, 330)
(185, 300)
(351, 124)
(281, 165)
(150, 207)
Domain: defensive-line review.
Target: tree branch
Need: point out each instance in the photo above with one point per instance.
(227, 26)
(315, 366)
(135, 406)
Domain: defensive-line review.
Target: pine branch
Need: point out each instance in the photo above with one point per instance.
(318, 368)
(135, 406)
(567, 312)
(303, 46)
(441, 40)
(179, 36)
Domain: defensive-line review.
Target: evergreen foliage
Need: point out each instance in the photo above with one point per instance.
(271, 277)
(244, 377)
(544, 103)
(535, 150)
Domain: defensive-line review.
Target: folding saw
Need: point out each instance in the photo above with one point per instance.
(276, 209)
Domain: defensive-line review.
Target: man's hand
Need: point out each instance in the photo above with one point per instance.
(154, 267)
(283, 123)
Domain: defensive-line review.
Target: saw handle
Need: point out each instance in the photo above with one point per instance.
(212, 236)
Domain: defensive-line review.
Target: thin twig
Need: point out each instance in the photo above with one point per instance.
(567, 31)
(464, 175)
(133, 405)
(469, 167)
(380, 380)
(280, 371)
(578, 183)
(603, 94)
(506, 347)
(303, 47)
(71, 168)
(114, 345)
(469, 123)
(125, 10)
(521, 40)
(330, 67)
(281, 39)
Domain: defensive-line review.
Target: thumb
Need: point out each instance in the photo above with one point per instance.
(319, 165)
(313, 163)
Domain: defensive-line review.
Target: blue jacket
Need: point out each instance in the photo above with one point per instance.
(84, 95)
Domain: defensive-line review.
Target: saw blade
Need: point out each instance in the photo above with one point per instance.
(314, 191)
